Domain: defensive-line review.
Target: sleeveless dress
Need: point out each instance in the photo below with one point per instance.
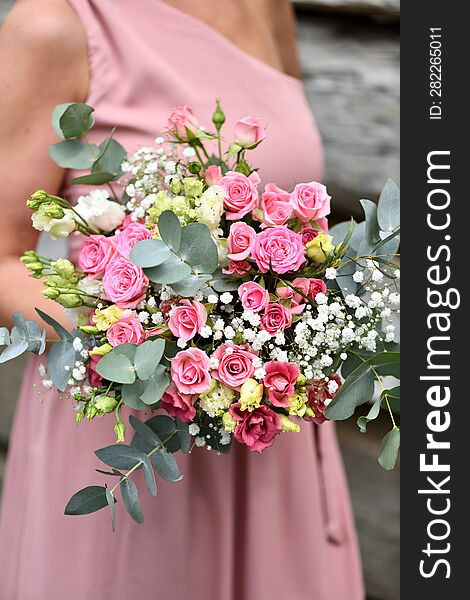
(237, 527)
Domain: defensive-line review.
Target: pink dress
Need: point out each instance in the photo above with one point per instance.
(237, 527)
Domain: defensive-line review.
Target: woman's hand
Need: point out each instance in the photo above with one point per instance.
(43, 62)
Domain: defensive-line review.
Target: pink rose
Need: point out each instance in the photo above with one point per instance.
(187, 319)
(309, 286)
(180, 120)
(240, 241)
(276, 318)
(275, 206)
(279, 249)
(310, 201)
(323, 224)
(308, 234)
(213, 175)
(249, 131)
(318, 394)
(94, 377)
(253, 296)
(241, 194)
(257, 428)
(179, 405)
(95, 255)
(190, 371)
(235, 365)
(133, 233)
(128, 330)
(287, 293)
(237, 268)
(124, 283)
(280, 380)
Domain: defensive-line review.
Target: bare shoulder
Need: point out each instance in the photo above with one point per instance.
(47, 40)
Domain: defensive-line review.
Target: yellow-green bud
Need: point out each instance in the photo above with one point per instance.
(53, 211)
(289, 426)
(64, 268)
(105, 404)
(192, 187)
(251, 393)
(194, 167)
(228, 422)
(35, 266)
(301, 380)
(320, 248)
(100, 350)
(218, 118)
(91, 411)
(89, 329)
(51, 293)
(79, 417)
(176, 187)
(119, 430)
(70, 300)
(38, 198)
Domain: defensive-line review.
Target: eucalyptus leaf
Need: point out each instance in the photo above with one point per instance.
(222, 283)
(147, 357)
(155, 386)
(145, 432)
(198, 248)
(131, 394)
(110, 499)
(170, 230)
(55, 117)
(189, 286)
(171, 271)
(163, 426)
(390, 448)
(36, 338)
(387, 363)
(130, 497)
(13, 351)
(76, 120)
(166, 466)
(72, 154)
(116, 367)
(388, 209)
(120, 456)
(111, 156)
(61, 354)
(183, 435)
(128, 350)
(371, 415)
(149, 476)
(149, 253)
(87, 500)
(4, 336)
(97, 178)
(56, 326)
(357, 389)
(393, 398)
(372, 229)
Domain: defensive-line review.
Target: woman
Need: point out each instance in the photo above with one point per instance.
(241, 526)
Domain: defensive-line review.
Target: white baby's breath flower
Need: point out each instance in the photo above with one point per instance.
(212, 298)
(226, 298)
(206, 332)
(77, 344)
(358, 277)
(330, 273)
(193, 429)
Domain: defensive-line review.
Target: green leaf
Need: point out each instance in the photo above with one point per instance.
(128, 350)
(62, 354)
(111, 501)
(372, 225)
(357, 389)
(171, 271)
(13, 351)
(163, 426)
(351, 363)
(149, 475)
(131, 395)
(198, 249)
(36, 338)
(116, 367)
(147, 357)
(87, 500)
(393, 397)
(184, 436)
(72, 154)
(390, 448)
(386, 363)
(155, 386)
(145, 432)
(166, 466)
(55, 117)
(371, 415)
(149, 253)
(57, 327)
(76, 120)
(4, 336)
(130, 497)
(170, 230)
(94, 178)
(190, 285)
(110, 157)
(388, 209)
(222, 283)
(120, 456)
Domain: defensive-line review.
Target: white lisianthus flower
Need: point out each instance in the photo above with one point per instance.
(55, 227)
(100, 212)
(94, 287)
(210, 207)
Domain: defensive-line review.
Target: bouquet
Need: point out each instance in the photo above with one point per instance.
(231, 314)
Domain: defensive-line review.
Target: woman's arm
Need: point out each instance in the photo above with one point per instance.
(43, 62)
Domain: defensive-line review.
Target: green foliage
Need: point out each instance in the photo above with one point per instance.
(185, 257)
(130, 497)
(72, 154)
(72, 119)
(25, 336)
(390, 448)
(87, 500)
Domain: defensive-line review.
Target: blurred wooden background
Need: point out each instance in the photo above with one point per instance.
(350, 59)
